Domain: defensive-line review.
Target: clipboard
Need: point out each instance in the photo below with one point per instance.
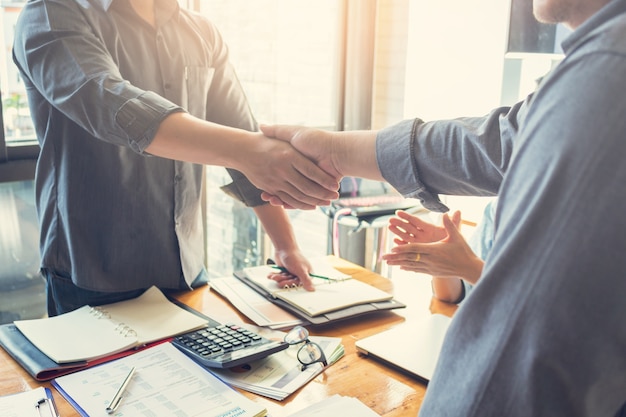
(34, 403)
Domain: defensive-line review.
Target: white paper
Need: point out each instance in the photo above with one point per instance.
(22, 404)
(100, 331)
(337, 292)
(279, 375)
(336, 405)
(166, 382)
(252, 304)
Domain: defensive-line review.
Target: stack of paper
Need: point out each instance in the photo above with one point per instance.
(253, 305)
(280, 374)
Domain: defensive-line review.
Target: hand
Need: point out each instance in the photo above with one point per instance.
(298, 267)
(282, 171)
(315, 144)
(448, 257)
(412, 229)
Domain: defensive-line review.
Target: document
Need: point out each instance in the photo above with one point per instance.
(280, 375)
(336, 405)
(166, 383)
(34, 403)
(93, 332)
(334, 291)
(252, 304)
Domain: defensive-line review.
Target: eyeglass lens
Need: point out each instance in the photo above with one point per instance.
(310, 352)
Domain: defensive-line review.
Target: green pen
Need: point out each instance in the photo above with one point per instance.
(283, 269)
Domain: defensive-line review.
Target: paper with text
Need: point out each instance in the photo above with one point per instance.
(166, 382)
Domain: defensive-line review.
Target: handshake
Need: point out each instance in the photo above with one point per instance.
(305, 165)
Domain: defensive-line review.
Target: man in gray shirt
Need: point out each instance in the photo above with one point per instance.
(543, 333)
(129, 98)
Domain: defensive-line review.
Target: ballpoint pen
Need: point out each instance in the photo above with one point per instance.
(115, 402)
(50, 406)
(283, 269)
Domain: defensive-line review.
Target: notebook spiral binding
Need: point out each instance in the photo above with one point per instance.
(121, 328)
(99, 313)
(125, 330)
(317, 281)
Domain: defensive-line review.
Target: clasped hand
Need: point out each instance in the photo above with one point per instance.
(314, 144)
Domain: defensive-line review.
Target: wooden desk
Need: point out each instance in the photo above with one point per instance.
(388, 392)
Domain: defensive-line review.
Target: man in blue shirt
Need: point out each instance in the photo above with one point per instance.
(129, 98)
(543, 333)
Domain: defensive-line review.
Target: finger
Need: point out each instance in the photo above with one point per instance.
(315, 181)
(453, 232)
(412, 224)
(298, 191)
(456, 218)
(399, 241)
(282, 132)
(287, 200)
(398, 231)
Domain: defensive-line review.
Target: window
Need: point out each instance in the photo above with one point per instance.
(21, 287)
(287, 56)
(18, 146)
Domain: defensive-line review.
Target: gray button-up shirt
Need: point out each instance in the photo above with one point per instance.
(99, 82)
(543, 331)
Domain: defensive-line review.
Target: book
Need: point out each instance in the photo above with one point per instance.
(335, 291)
(166, 382)
(34, 403)
(89, 333)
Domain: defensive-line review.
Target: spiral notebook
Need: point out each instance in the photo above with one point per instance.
(337, 296)
(90, 333)
(333, 291)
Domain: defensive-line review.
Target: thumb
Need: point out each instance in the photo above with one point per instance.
(281, 132)
(456, 219)
(453, 233)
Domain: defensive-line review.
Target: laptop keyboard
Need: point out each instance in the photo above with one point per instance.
(368, 206)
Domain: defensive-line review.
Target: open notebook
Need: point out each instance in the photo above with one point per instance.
(93, 332)
(333, 292)
(412, 347)
(338, 296)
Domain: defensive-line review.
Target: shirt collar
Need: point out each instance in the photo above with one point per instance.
(165, 9)
(608, 12)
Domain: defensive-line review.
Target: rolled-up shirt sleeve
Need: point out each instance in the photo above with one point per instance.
(72, 69)
(140, 118)
(464, 156)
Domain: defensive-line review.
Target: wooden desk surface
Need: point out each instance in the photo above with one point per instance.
(388, 392)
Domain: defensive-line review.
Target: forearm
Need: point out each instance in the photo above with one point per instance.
(449, 290)
(186, 138)
(354, 154)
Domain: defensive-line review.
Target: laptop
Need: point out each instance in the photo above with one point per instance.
(411, 347)
(367, 198)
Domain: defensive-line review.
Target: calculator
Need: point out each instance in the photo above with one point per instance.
(226, 345)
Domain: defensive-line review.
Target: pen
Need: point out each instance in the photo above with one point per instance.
(283, 269)
(115, 402)
(52, 411)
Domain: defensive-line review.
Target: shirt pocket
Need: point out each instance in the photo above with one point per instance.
(197, 84)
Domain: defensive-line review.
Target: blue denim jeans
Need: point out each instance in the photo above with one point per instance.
(64, 296)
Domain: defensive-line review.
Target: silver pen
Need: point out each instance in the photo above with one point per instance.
(49, 402)
(115, 402)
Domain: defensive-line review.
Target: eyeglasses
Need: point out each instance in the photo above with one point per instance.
(310, 352)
